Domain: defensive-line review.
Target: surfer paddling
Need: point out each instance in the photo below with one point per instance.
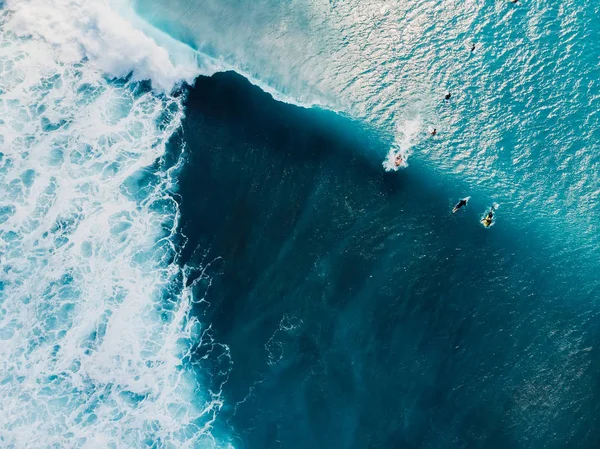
(489, 218)
(460, 204)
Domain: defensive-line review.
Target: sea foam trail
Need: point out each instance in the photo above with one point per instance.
(95, 320)
(407, 133)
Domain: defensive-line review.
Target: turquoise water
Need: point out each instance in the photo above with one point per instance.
(204, 265)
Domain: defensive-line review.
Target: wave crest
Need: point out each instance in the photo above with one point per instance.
(92, 30)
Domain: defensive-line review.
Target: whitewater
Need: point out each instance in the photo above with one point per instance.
(95, 321)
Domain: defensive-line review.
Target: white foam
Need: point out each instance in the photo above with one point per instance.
(94, 315)
(407, 132)
(77, 29)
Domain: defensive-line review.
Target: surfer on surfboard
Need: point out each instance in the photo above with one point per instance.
(461, 203)
(489, 217)
(399, 161)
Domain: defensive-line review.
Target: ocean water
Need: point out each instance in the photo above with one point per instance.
(204, 241)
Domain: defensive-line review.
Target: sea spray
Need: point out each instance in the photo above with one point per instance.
(407, 132)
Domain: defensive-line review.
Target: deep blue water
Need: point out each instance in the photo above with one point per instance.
(359, 312)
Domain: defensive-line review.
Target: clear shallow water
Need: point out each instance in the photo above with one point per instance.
(218, 268)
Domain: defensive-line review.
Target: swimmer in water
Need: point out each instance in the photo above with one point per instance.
(513, 1)
(473, 48)
(434, 132)
(399, 161)
(447, 97)
(461, 203)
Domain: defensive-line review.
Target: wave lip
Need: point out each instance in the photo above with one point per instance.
(92, 30)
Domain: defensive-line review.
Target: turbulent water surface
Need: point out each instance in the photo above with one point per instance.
(188, 261)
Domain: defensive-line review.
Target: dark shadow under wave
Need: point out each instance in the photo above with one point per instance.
(360, 313)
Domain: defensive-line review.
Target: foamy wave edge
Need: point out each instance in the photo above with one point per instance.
(96, 326)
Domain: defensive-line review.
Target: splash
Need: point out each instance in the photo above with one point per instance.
(95, 325)
(407, 133)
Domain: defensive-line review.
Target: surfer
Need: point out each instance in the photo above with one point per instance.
(447, 97)
(434, 132)
(399, 161)
(489, 218)
(473, 48)
(461, 203)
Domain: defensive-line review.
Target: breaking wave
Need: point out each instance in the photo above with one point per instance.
(95, 325)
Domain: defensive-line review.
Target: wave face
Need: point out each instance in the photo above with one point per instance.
(358, 310)
(95, 322)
